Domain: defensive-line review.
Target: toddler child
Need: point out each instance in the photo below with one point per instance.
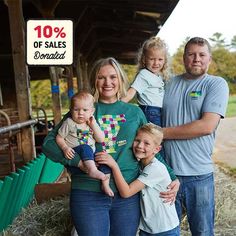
(149, 82)
(79, 133)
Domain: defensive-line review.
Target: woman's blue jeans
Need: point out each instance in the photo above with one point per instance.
(96, 214)
(196, 195)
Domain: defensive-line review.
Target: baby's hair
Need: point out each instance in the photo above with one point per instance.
(82, 95)
(157, 43)
(154, 130)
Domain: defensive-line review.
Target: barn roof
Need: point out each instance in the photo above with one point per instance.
(101, 27)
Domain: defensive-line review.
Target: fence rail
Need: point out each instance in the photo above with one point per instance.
(18, 126)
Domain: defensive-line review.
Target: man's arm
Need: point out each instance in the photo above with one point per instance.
(204, 126)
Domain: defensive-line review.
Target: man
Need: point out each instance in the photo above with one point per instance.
(193, 105)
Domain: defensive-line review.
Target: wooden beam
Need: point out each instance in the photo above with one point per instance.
(45, 192)
(21, 73)
(70, 84)
(56, 99)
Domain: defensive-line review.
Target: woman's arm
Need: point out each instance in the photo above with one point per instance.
(53, 151)
(125, 190)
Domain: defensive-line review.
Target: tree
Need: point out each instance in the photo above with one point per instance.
(177, 66)
(233, 42)
(218, 41)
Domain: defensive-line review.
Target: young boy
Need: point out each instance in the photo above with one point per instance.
(79, 134)
(158, 218)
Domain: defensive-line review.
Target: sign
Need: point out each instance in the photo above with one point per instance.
(49, 42)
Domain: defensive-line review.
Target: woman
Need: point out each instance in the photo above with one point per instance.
(93, 212)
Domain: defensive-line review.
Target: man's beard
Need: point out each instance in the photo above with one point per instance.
(196, 71)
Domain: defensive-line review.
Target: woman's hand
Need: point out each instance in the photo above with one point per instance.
(170, 195)
(105, 158)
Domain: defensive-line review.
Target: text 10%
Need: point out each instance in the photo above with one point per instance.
(48, 31)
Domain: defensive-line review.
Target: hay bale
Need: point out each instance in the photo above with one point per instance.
(49, 218)
(52, 218)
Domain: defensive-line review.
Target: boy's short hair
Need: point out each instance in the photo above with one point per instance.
(154, 130)
(82, 95)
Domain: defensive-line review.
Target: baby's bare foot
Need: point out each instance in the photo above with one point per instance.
(96, 174)
(106, 188)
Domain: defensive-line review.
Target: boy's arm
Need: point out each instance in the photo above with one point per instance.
(98, 134)
(130, 94)
(125, 190)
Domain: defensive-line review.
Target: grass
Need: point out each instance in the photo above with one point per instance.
(231, 110)
(226, 169)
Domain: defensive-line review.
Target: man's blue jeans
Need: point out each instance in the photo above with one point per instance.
(196, 195)
(96, 214)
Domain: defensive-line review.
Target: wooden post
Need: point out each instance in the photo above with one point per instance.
(86, 79)
(70, 85)
(79, 73)
(56, 99)
(84, 73)
(17, 32)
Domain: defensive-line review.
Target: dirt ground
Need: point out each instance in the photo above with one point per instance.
(225, 146)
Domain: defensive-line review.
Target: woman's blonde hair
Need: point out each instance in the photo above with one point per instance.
(154, 130)
(157, 43)
(123, 81)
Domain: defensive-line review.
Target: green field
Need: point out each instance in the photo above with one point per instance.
(231, 110)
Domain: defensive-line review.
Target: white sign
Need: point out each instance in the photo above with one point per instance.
(49, 42)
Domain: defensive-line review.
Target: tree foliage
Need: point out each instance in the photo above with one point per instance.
(223, 60)
(41, 94)
(218, 40)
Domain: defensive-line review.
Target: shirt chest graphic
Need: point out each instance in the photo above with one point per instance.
(110, 124)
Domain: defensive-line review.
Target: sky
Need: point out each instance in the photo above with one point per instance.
(202, 18)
